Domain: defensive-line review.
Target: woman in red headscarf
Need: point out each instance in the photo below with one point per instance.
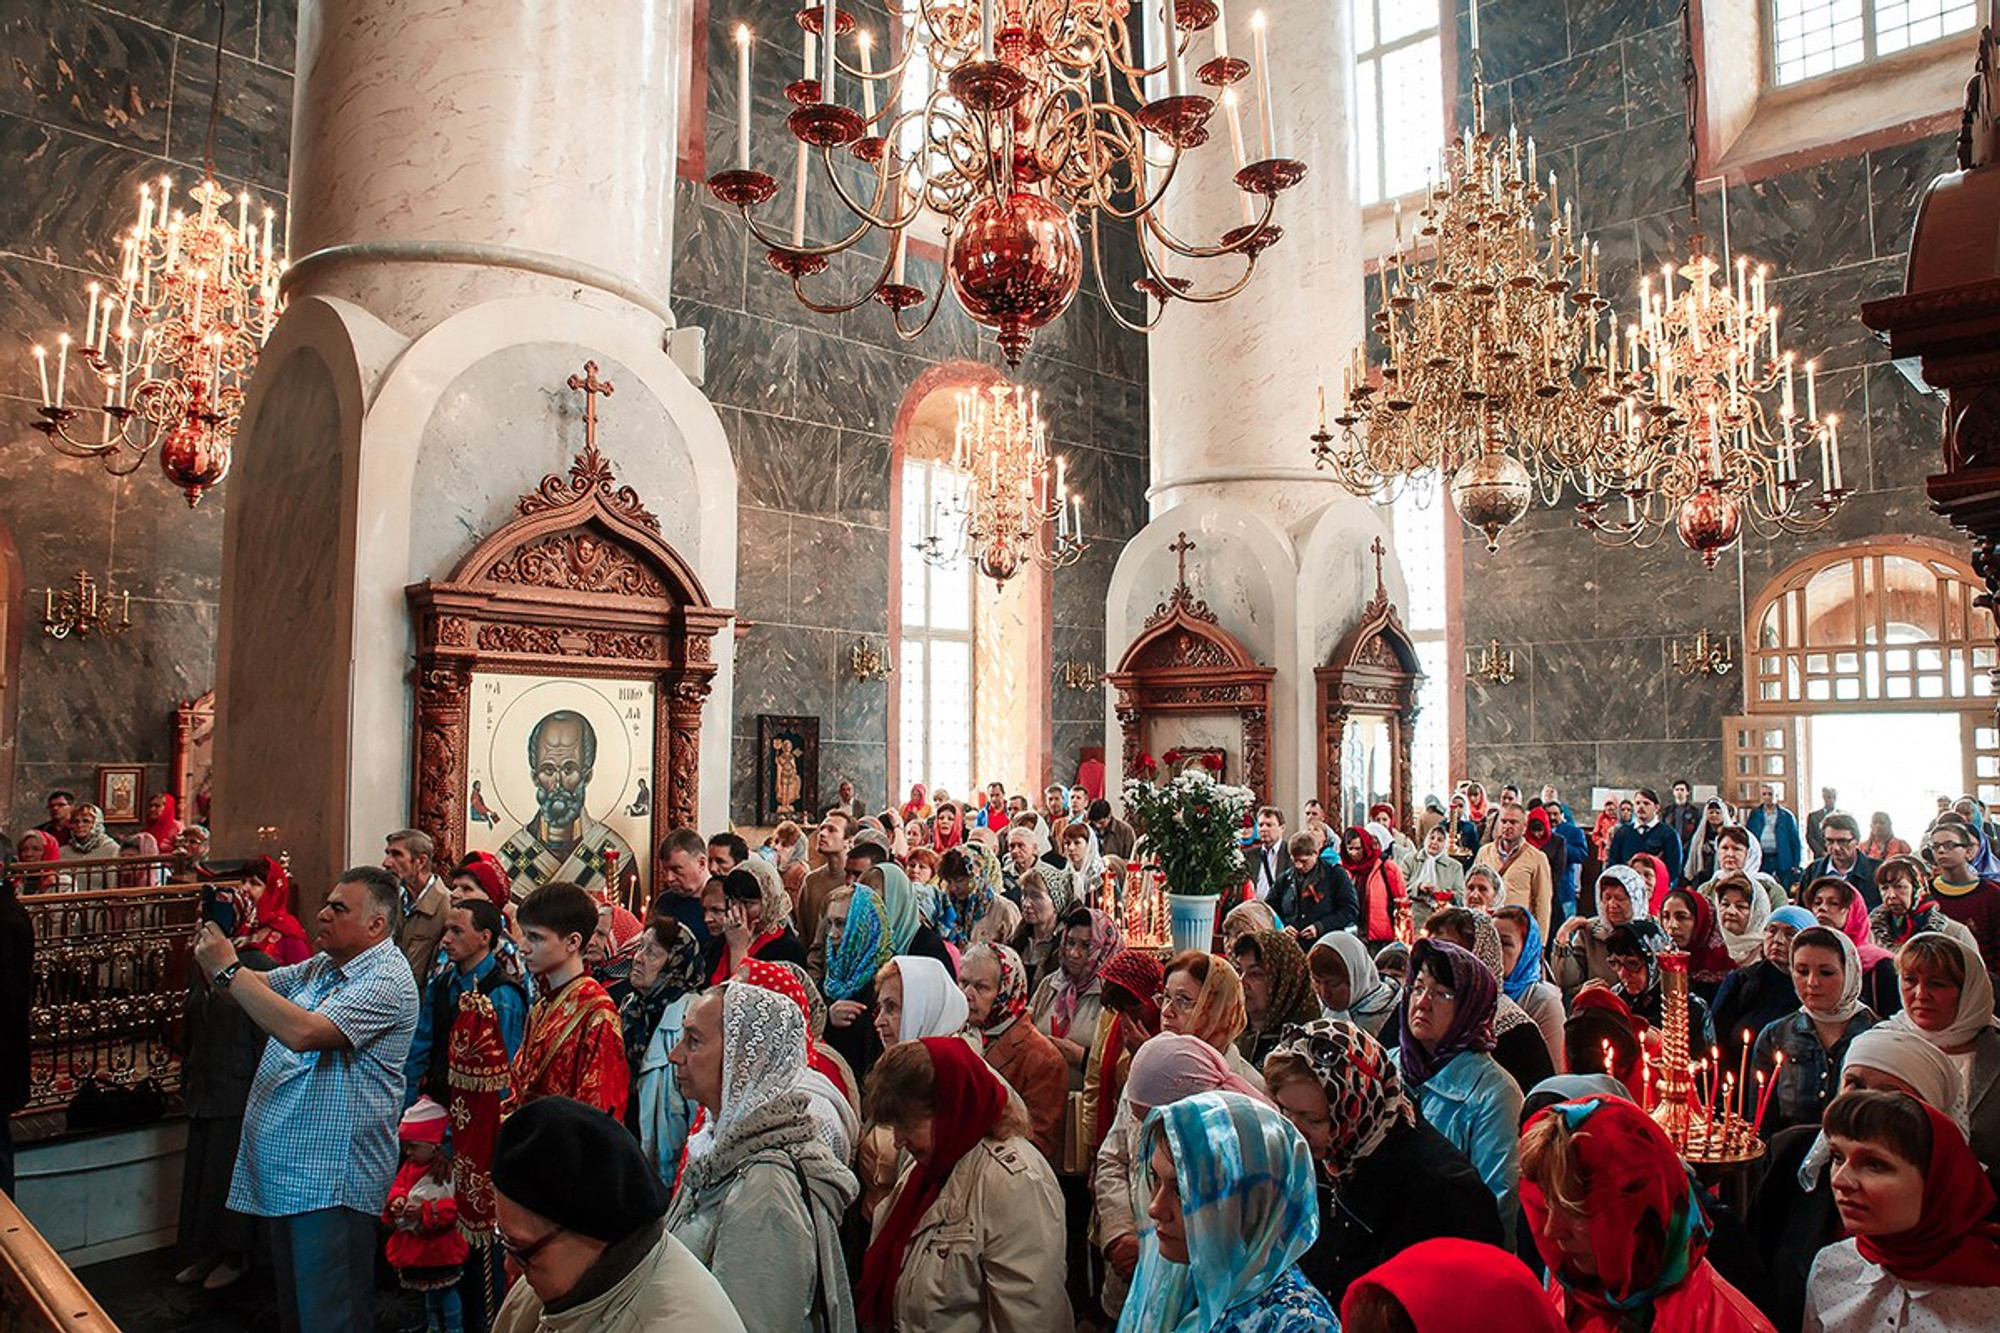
(1621, 1226)
(161, 821)
(1920, 1253)
(1377, 883)
(1132, 982)
(1654, 871)
(1689, 919)
(1446, 1286)
(278, 933)
(968, 1239)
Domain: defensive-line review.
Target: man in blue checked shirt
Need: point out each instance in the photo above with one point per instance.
(319, 1135)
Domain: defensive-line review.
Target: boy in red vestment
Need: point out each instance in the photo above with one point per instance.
(575, 1045)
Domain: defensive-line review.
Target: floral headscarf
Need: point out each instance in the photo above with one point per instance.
(1010, 1000)
(1648, 1228)
(1892, 930)
(1292, 998)
(1106, 939)
(956, 919)
(1364, 1089)
(864, 947)
(1218, 1017)
(640, 1011)
(1247, 1202)
(1748, 947)
(1471, 1028)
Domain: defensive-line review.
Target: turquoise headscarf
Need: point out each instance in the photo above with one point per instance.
(864, 947)
(899, 905)
(1246, 1186)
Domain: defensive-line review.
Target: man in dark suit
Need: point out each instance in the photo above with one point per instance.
(1684, 815)
(1841, 834)
(1647, 833)
(1816, 821)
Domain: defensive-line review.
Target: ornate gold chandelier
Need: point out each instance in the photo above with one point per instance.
(1496, 373)
(168, 347)
(1011, 502)
(1708, 436)
(1029, 118)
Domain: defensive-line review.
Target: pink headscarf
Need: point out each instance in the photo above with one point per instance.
(1175, 1065)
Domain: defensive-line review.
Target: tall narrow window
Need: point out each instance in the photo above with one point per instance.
(934, 660)
(1420, 523)
(1399, 96)
(1808, 38)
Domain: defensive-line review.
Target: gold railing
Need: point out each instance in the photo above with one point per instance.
(38, 1292)
(111, 975)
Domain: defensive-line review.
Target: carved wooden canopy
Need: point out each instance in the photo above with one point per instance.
(1183, 661)
(1374, 669)
(580, 583)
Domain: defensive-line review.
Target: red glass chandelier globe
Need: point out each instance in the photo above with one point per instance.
(195, 456)
(1015, 265)
(1709, 523)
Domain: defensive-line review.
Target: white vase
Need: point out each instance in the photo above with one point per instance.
(1191, 918)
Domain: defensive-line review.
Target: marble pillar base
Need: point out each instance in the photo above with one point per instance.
(370, 463)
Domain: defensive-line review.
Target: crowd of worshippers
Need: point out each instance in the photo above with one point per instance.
(164, 849)
(898, 1072)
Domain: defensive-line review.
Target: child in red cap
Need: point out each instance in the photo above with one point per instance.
(425, 1247)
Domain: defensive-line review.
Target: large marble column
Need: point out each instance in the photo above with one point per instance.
(481, 203)
(1282, 552)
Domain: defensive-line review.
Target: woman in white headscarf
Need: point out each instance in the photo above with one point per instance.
(915, 997)
(1577, 953)
(1948, 1001)
(761, 1198)
(1827, 975)
(1698, 864)
(1348, 986)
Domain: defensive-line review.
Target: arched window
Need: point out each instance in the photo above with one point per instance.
(970, 703)
(1868, 671)
(1889, 626)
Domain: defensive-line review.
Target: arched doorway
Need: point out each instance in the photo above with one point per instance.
(1868, 669)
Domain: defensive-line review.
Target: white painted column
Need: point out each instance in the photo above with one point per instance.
(482, 199)
(536, 140)
(1232, 384)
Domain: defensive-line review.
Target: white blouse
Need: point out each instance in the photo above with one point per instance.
(1848, 1294)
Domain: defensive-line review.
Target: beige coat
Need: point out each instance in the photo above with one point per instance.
(423, 929)
(987, 1256)
(1529, 881)
(668, 1292)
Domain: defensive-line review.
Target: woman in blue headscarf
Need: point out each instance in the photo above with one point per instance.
(857, 945)
(1231, 1209)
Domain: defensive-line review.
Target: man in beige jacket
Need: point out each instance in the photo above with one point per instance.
(581, 1215)
(1521, 865)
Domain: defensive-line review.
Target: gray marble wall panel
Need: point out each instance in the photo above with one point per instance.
(1598, 84)
(98, 98)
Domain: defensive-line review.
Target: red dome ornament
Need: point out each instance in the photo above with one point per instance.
(1709, 523)
(1016, 265)
(195, 456)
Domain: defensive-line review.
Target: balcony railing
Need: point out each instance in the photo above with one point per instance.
(111, 973)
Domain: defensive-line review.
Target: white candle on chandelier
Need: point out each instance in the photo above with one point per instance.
(829, 29)
(1833, 434)
(62, 365)
(1265, 112)
(985, 29)
(811, 67)
(1789, 411)
(1221, 32)
(90, 317)
(1177, 81)
(1825, 457)
(799, 198)
(867, 44)
(743, 95)
(1812, 391)
(1235, 118)
(42, 368)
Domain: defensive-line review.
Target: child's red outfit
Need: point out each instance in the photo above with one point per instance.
(425, 1247)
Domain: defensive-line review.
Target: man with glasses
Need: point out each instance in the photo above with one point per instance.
(1961, 894)
(581, 1218)
(1841, 834)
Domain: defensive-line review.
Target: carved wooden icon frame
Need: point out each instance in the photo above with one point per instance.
(1184, 662)
(1373, 671)
(579, 584)
(194, 757)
